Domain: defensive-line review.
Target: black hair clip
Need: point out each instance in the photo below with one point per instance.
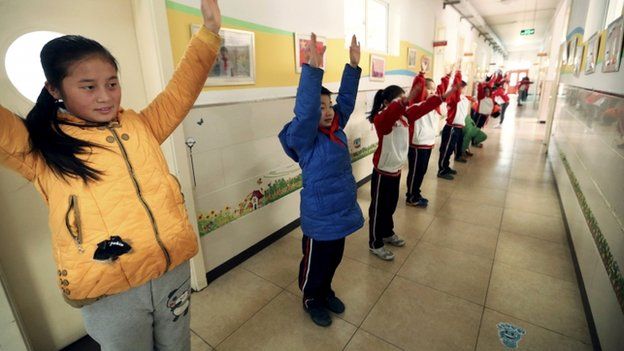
(111, 249)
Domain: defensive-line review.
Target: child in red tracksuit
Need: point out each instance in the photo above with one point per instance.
(391, 114)
(422, 138)
(486, 107)
(502, 99)
(458, 108)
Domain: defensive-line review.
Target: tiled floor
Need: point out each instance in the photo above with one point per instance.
(490, 248)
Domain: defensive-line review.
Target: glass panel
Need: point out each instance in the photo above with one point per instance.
(377, 25)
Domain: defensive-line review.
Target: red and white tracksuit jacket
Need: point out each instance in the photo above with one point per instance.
(392, 126)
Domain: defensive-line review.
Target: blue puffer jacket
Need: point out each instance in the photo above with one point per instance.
(329, 208)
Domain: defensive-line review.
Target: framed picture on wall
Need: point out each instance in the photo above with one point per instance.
(411, 57)
(578, 59)
(573, 43)
(377, 68)
(613, 46)
(236, 61)
(301, 42)
(593, 44)
(425, 63)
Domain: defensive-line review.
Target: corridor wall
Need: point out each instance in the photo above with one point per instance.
(587, 154)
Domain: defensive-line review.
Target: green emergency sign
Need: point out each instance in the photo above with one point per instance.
(529, 31)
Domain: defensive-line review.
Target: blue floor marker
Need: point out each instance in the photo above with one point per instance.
(509, 334)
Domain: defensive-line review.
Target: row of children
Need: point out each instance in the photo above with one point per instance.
(406, 126)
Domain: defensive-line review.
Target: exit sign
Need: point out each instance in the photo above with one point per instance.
(529, 31)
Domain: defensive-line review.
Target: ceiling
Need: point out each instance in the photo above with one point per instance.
(508, 17)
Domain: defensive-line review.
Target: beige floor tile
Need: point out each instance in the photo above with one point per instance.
(494, 197)
(411, 222)
(457, 273)
(485, 181)
(543, 205)
(227, 303)
(535, 255)
(533, 187)
(356, 248)
(284, 325)
(462, 236)
(363, 341)
(296, 233)
(197, 344)
(542, 227)
(358, 285)
(414, 317)
(545, 301)
(535, 338)
(467, 211)
(278, 263)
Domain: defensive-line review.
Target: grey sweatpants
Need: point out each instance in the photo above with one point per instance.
(153, 316)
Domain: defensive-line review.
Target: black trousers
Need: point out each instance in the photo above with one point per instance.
(317, 267)
(481, 119)
(458, 145)
(450, 138)
(503, 109)
(418, 162)
(384, 198)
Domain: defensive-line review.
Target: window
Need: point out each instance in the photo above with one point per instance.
(614, 11)
(377, 25)
(368, 20)
(22, 63)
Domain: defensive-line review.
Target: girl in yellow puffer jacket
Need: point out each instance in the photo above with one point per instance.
(120, 233)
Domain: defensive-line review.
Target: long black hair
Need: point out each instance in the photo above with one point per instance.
(385, 95)
(60, 150)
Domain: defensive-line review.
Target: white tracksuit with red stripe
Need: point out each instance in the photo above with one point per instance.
(392, 126)
(393, 130)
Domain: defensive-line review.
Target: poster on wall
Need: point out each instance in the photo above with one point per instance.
(301, 42)
(411, 57)
(593, 44)
(425, 63)
(235, 63)
(578, 59)
(613, 47)
(377, 68)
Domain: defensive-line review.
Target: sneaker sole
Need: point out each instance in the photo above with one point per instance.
(381, 258)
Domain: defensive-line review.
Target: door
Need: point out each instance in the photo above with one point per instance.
(514, 78)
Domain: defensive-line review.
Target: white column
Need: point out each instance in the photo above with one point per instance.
(152, 30)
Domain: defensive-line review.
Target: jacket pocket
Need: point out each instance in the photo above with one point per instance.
(73, 222)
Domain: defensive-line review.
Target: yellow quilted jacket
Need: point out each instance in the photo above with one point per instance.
(137, 198)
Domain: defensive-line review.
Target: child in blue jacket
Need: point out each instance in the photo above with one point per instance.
(329, 210)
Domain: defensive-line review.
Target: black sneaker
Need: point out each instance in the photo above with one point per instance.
(445, 175)
(334, 304)
(451, 171)
(417, 203)
(461, 159)
(318, 313)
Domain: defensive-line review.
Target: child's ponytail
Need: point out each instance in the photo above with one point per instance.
(382, 96)
(58, 149)
(377, 104)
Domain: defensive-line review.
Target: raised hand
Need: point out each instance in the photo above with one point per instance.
(315, 58)
(212, 15)
(354, 52)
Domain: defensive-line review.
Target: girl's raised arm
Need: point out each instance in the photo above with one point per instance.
(15, 145)
(170, 107)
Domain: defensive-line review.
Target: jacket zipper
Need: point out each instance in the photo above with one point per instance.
(73, 206)
(137, 188)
